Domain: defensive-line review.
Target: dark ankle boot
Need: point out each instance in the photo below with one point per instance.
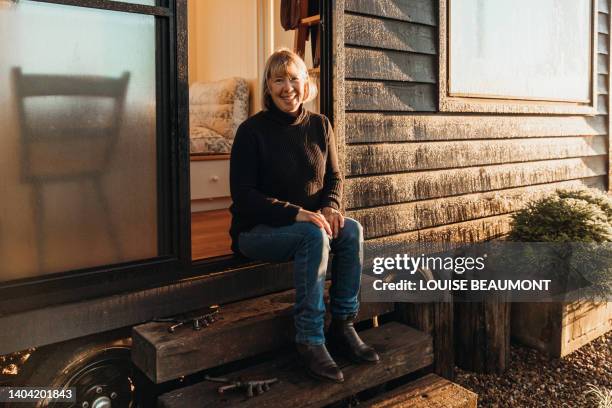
(343, 338)
(319, 363)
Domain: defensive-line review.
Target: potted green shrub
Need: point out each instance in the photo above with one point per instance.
(579, 223)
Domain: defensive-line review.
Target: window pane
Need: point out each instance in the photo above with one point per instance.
(77, 145)
(521, 49)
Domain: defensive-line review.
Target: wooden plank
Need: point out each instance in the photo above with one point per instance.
(379, 127)
(603, 6)
(430, 239)
(397, 188)
(602, 104)
(363, 63)
(430, 391)
(393, 158)
(399, 218)
(602, 23)
(389, 34)
(248, 328)
(403, 350)
(602, 63)
(415, 11)
(603, 44)
(390, 96)
(602, 84)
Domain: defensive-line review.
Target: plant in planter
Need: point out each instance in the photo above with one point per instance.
(578, 224)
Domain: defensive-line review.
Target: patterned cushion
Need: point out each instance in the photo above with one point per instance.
(219, 107)
(204, 140)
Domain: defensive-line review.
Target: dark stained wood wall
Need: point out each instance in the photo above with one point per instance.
(413, 174)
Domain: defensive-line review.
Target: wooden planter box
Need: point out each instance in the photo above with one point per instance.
(560, 328)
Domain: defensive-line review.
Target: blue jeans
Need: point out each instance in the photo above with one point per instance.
(309, 247)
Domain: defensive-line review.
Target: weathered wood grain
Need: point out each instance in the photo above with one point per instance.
(247, 328)
(390, 96)
(415, 11)
(389, 34)
(482, 336)
(380, 127)
(602, 63)
(427, 392)
(602, 84)
(400, 218)
(403, 350)
(603, 43)
(401, 157)
(364, 63)
(431, 240)
(397, 188)
(602, 104)
(602, 23)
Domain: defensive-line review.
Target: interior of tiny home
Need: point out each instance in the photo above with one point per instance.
(229, 42)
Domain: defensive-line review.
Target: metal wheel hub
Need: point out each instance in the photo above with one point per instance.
(105, 382)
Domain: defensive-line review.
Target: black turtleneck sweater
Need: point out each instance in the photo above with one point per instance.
(279, 164)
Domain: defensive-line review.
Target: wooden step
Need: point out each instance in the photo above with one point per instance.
(430, 391)
(402, 349)
(244, 329)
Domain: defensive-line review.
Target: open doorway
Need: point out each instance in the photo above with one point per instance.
(229, 43)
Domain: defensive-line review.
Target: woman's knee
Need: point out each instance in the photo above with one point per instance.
(352, 230)
(313, 235)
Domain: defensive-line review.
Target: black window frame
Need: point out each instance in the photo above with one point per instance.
(172, 164)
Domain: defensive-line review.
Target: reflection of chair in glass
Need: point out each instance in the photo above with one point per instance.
(69, 128)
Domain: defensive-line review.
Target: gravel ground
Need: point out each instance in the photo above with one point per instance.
(534, 380)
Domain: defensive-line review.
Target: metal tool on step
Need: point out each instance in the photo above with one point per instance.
(251, 387)
(197, 322)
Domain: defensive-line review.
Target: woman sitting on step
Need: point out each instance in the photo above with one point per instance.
(286, 189)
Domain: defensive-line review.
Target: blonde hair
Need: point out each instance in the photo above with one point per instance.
(278, 63)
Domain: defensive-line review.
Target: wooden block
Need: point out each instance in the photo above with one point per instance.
(247, 328)
(403, 350)
(430, 391)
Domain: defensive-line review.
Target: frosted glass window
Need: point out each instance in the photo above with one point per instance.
(78, 138)
(521, 49)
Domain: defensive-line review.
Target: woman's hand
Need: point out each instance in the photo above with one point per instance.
(335, 220)
(316, 218)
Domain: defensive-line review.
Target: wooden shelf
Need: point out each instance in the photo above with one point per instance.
(310, 21)
(204, 157)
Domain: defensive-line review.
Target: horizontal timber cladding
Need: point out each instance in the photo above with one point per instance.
(403, 187)
(389, 34)
(401, 157)
(380, 127)
(365, 63)
(399, 218)
(602, 84)
(415, 175)
(430, 238)
(602, 105)
(414, 11)
(602, 23)
(602, 63)
(390, 96)
(603, 43)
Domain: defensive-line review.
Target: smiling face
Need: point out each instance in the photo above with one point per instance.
(288, 89)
